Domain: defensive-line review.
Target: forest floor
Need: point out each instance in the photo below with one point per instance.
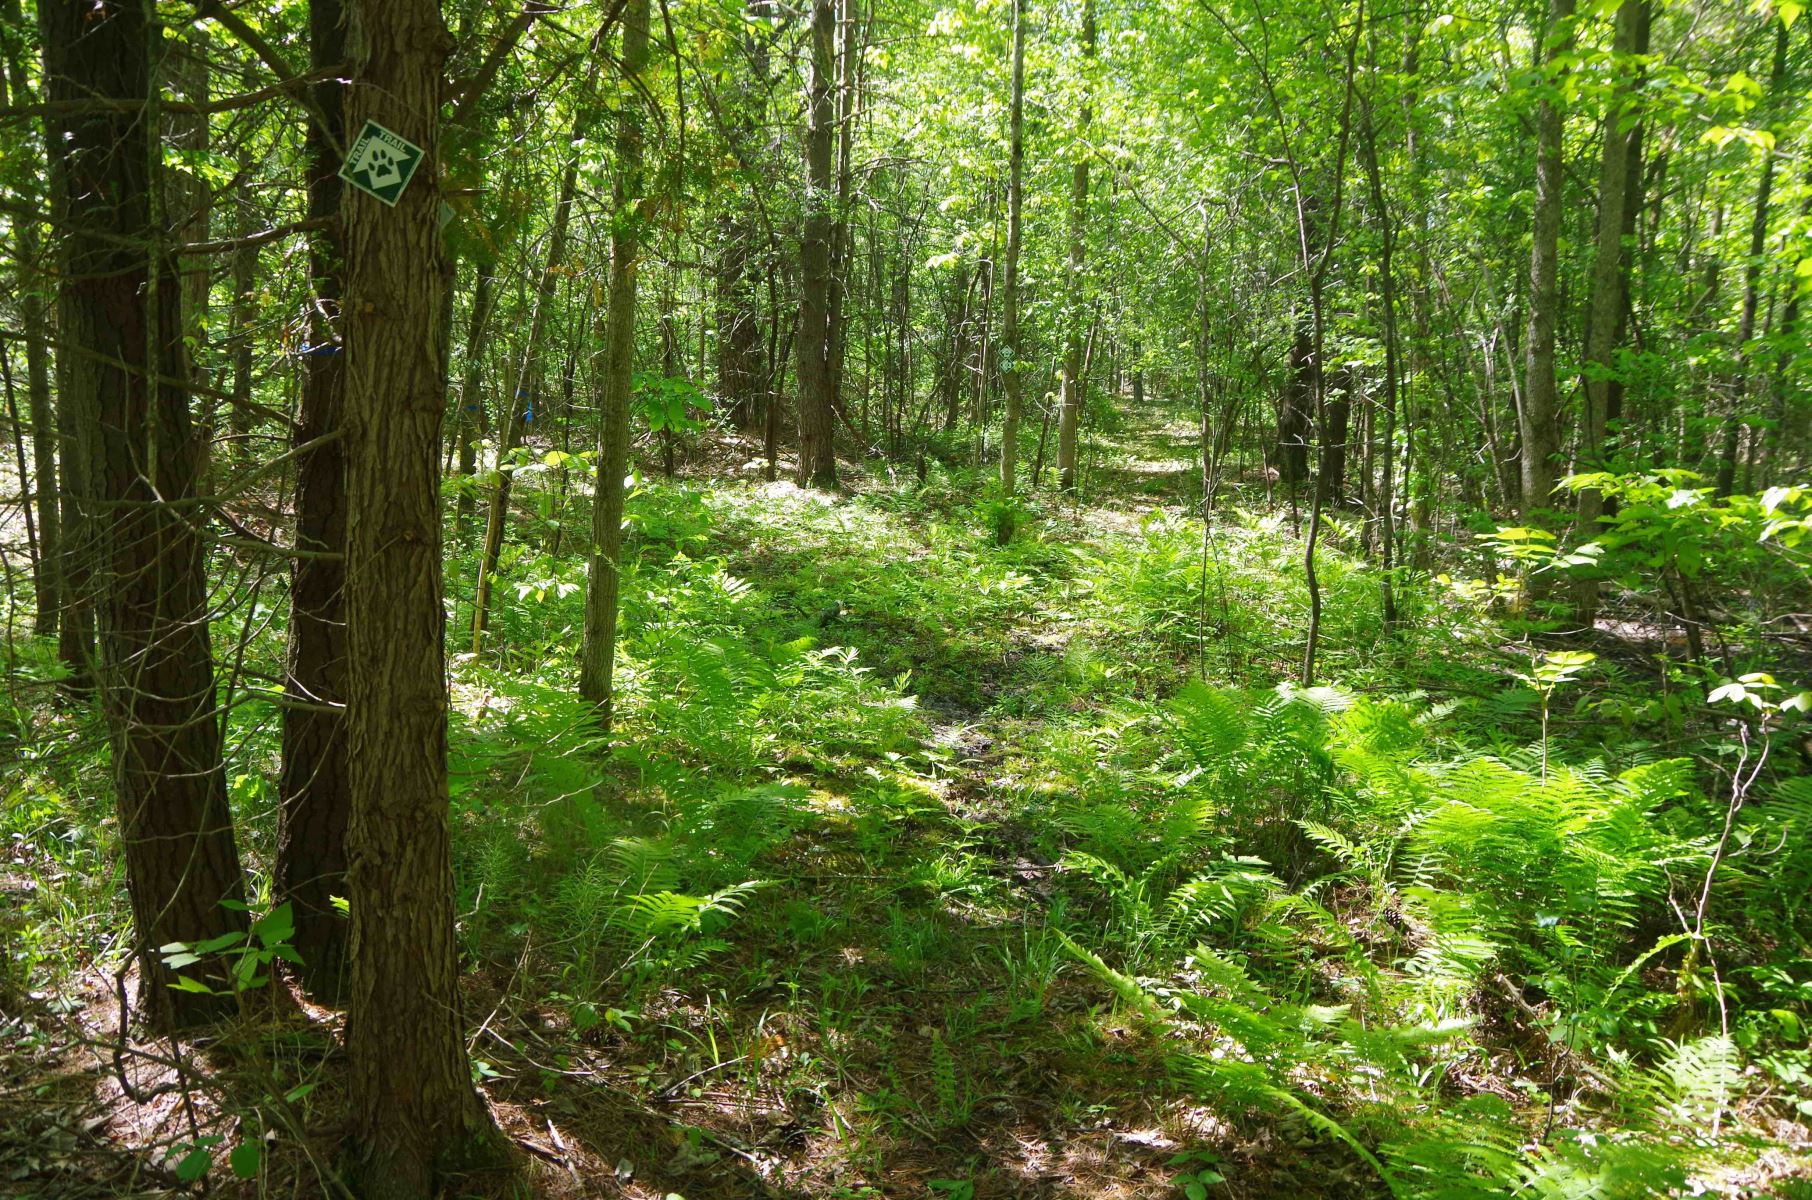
(811, 930)
(893, 1015)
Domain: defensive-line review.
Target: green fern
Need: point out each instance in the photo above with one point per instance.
(665, 913)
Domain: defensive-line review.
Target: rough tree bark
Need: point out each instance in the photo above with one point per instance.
(415, 1113)
(738, 326)
(120, 310)
(314, 787)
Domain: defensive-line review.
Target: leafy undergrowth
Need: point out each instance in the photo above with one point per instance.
(931, 867)
(927, 866)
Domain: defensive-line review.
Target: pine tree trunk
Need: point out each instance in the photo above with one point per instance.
(415, 1112)
(120, 312)
(314, 788)
(597, 662)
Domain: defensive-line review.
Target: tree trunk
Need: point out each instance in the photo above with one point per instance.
(188, 204)
(1538, 416)
(817, 412)
(1295, 406)
(597, 662)
(738, 327)
(1011, 368)
(1607, 313)
(1336, 417)
(415, 1112)
(121, 316)
(962, 321)
(314, 786)
(1070, 415)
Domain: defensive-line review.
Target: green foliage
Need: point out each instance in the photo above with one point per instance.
(245, 956)
(666, 404)
(1473, 875)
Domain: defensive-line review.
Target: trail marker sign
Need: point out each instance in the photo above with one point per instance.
(381, 163)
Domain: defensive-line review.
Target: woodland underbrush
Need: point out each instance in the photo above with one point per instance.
(928, 865)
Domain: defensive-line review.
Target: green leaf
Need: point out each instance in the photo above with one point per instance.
(215, 945)
(194, 1165)
(246, 1159)
(279, 925)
